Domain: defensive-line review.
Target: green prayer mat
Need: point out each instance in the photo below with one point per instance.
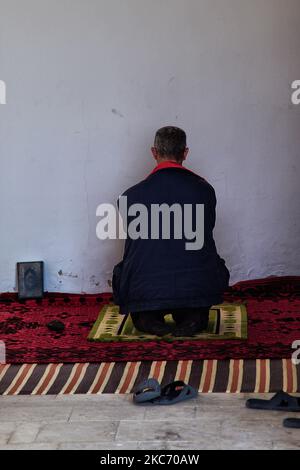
(226, 321)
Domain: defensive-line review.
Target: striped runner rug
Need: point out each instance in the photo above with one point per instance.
(208, 376)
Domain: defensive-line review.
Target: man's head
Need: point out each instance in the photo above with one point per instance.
(170, 144)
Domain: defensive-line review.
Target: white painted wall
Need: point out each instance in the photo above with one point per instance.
(89, 82)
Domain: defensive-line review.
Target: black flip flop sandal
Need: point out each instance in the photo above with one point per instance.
(280, 402)
(176, 392)
(146, 392)
(149, 393)
(293, 423)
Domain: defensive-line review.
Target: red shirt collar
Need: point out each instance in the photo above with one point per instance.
(169, 164)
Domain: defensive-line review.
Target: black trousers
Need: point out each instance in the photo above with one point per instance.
(181, 316)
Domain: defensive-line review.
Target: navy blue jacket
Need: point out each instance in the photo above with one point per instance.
(162, 274)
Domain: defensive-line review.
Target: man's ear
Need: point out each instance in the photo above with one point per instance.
(186, 152)
(154, 153)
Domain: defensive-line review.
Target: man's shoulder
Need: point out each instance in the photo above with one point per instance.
(199, 181)
(206, 184)
(134, 189)
(154, 178)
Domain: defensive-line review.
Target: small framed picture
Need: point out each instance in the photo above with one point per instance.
(30, 280)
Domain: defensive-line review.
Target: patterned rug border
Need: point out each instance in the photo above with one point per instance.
(208, 376)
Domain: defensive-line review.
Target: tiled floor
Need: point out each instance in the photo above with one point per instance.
(107, 422)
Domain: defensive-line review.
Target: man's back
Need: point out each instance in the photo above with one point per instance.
(166, 268)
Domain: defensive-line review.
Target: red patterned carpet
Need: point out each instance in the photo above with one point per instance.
(273, 306)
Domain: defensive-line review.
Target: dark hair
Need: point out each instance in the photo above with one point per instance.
(170, 142)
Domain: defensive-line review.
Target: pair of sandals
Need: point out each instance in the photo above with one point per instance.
(150, 393)
(280, 402)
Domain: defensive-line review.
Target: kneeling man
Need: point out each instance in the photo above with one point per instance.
(170, 265)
